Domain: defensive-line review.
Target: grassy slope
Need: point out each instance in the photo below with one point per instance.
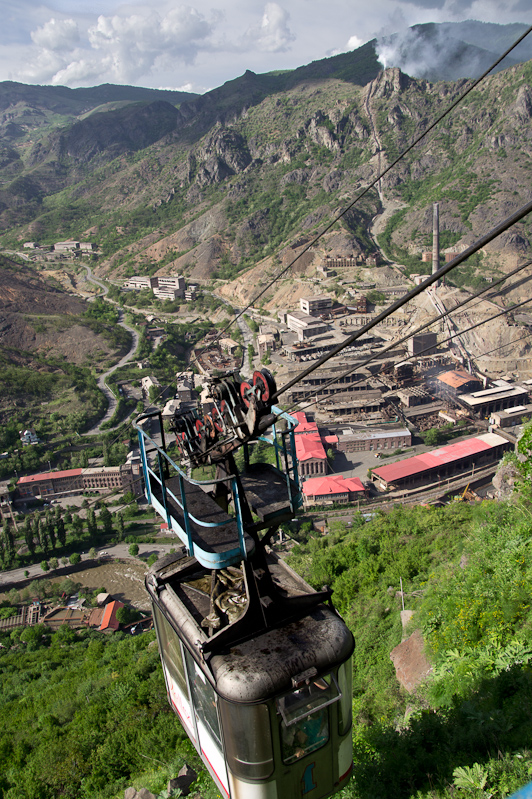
(466, 572)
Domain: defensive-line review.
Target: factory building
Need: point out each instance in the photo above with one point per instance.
(443, 463)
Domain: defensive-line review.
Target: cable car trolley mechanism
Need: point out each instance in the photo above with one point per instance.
(257, 664)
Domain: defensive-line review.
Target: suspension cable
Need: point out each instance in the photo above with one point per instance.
(418, 330)
(376, 180)
(496, 231)
(451, 337)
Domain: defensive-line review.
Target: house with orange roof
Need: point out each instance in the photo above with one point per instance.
(332, 488)
(110, 623)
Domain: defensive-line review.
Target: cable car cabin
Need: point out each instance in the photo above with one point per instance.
(257, 664)
(266, 701)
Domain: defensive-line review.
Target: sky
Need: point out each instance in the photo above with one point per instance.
(196, 47)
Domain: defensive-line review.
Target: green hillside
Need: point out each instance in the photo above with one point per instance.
(86, 715)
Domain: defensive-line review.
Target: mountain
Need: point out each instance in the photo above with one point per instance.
(74, 102)
(213, 185)
(453, 50)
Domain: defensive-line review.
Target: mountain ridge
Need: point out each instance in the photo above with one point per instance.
(230, 179)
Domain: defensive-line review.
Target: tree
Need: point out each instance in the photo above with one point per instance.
(50, 528)
(92, 526)
(106, 520)
(120, 525)
(134, 550)
(53, 563)
(75, 558)
(154, 393)
(44, 565)
(376, 297)
(434, 436)
(13, 596)
(43, 536)
(32, 636)
(9, 539)
(92, 553)
(68, 586)
(126, 615)
(61, 531)
(28, 535)
(77, 527)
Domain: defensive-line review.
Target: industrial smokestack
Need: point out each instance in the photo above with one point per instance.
(435, 240)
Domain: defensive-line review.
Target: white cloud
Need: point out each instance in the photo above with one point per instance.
(119, 47)
(82, 72)
(273, 35)
(355, 42)
(62, 34)
(171, 43)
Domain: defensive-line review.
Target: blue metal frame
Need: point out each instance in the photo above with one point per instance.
(212, 560)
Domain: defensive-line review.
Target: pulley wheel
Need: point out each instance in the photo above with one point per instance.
(266, 384)
(243, 388)
(217, 419)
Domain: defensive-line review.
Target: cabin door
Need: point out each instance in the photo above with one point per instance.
(206, 716)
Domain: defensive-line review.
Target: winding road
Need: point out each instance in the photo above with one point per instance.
(102, 379)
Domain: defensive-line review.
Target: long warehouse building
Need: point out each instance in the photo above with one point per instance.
(443, 463)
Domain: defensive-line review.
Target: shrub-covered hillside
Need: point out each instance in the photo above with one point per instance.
(467, 574)
(85, 716)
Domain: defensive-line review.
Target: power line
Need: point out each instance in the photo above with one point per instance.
(455, 335)
(376, 180)
(419, 329)
(393, 345)
(510, 221)
(371, 185)
(500, 228)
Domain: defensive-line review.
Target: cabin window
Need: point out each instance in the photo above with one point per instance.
(345, 682)
(305, 718)
(203, 698)
(171, 650)
(248, 740)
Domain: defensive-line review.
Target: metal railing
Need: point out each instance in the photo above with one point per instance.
(160, 478)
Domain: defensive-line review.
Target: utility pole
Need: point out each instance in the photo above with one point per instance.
(436, 240)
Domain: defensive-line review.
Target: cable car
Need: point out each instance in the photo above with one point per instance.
(257, 664)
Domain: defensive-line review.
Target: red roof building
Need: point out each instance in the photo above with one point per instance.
(331, 488)
(110, 623)
(48, 483)
(310, 452)
(442, 463)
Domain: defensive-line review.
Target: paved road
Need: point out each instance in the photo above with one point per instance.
(118, 551)
(102, 379)
(92, 279)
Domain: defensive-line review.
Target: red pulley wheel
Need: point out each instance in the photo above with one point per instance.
(264, 380)
(217, 419)
(243, 388)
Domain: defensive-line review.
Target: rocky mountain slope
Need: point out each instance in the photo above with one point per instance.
(246, 175)
(40, 322)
